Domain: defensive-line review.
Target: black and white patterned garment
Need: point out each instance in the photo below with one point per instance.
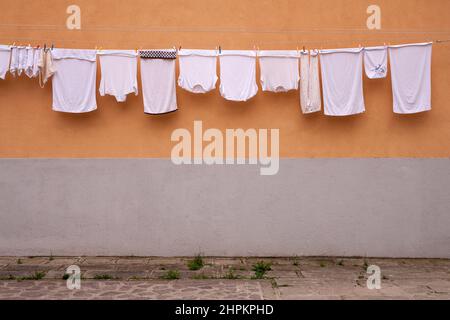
(158, 54)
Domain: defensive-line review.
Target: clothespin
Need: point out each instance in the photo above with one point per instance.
(52, 46)
(179, 49)
(304, 49)
(220, 49)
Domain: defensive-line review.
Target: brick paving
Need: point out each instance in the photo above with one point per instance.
(223, 278)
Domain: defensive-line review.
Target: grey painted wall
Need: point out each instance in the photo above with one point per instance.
(345, 207)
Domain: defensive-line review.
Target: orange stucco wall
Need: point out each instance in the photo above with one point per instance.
(29, 128)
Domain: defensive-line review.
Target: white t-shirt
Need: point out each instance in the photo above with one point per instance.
(198, 70)
(74, 80)
(238, 75)
(119, 73)
(279, 70)
(411, 77)
(342, 84)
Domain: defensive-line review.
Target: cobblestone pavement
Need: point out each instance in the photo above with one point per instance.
(223, 278)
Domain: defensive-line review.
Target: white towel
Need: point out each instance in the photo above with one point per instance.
(375, 62)
(74, 80)
(198, 70)
(238, 75)
(119, 73)
(158, 81)
(279, 70)
(310, 98)
(342, 81)
(411, 77)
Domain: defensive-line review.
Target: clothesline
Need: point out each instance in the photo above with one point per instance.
(258, 45)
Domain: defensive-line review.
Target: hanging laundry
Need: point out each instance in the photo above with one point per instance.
(5, 56)
(310, 98)
(119, 73)
(342, 81)
(14, 66)
(30, 60)
(375, 62)
(279, 70)
(45, 66)
(22, 64)
(74, 80)
(158, 81)
(411, 77)
(37, 55)
(198, 70)
(238, 75)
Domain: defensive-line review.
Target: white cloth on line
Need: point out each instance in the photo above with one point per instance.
(279, 70)
(238, 75)
(22, 60)
(158, 81)
(37, 55)
(198, 70)
(74, 80)
(310, 97)
(30, 61)
(375, 62)
(5, 56)
(14, 66)
(342, 83)
(119, 73)
(411, 77)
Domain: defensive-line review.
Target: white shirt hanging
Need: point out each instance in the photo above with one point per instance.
(5, 56)
(119, 73)
(238, 75)
(198, 70)
(342, 81)
(279, 70)
(375, 62)
(74, 80)
(411, 77)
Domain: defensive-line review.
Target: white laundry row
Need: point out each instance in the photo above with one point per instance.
(74, 75)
